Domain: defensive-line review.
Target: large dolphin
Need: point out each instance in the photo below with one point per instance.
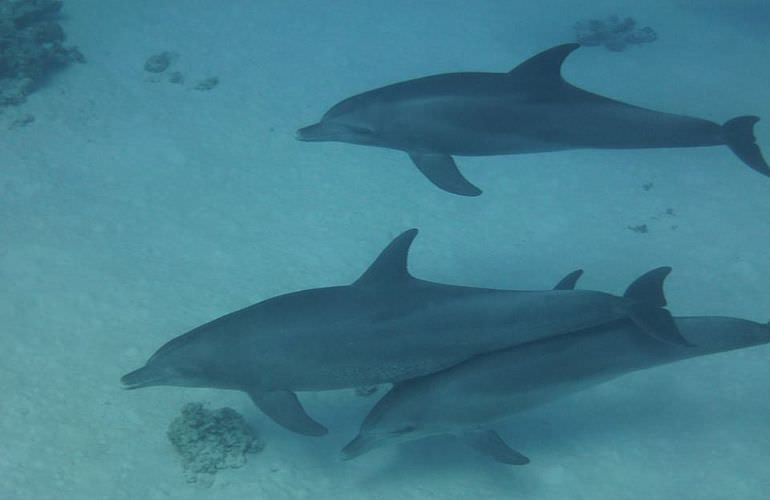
(386, 327)
(531, 109)
(465, 399)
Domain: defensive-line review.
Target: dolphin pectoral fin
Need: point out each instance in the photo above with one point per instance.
(490, 443)
(285, 409)
(441, 170)
(739, 135)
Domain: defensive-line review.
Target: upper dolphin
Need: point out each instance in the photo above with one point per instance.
(386, 327)
(528, 110)
(465, 399)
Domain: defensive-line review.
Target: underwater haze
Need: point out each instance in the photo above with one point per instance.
(137, 204)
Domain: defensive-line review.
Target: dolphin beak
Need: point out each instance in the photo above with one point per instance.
(314, 132)
(360, 445)
(143, 377)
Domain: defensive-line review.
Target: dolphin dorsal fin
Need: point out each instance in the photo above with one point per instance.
(545, 67)
(390, 266)
(648, 288)
(569, 281)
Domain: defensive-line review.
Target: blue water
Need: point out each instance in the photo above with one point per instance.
(132, 210)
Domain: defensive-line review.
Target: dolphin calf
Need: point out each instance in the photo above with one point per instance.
(464, 399)
(385, 327)
(530, 109)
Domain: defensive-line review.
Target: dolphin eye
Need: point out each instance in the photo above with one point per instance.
(404, 430)
(362, 130)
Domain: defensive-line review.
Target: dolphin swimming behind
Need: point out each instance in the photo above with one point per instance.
(465, 399)
(386, 327)
(531, 109)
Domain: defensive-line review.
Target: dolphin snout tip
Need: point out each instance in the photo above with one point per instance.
(316, 132)
(137, 379)
(305, 133)
(356, 448)
(128, 382)
(347, 456)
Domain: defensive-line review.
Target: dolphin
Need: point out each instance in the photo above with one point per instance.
(530, 109)
(385, 327)
(464, 399)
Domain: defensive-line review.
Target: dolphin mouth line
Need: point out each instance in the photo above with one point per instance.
(358, 446)
(309, 133)
(129, 384)
(323, 132)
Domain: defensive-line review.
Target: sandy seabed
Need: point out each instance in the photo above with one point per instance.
(133, 209)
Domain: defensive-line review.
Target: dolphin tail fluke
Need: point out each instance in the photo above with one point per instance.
(647, 311)
(739, 136)
(490, 444)
(442, 171)
(284, 408)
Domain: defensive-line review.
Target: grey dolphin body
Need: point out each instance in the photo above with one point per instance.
(464, 398)
(386, 327)
(528, 110)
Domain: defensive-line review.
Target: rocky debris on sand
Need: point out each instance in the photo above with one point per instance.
(176, 77)
(21, 121)
(614, 33)
(159, 63)
(31, 47)
(160, 66)
(211, 440)
(207, 84)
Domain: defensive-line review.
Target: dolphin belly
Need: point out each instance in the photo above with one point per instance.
(519, 378)
(516, 128)
(492, 387)
(614, 125)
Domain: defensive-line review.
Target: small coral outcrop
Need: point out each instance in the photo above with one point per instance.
(31, 47)
(211, 440)
(614, 33)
